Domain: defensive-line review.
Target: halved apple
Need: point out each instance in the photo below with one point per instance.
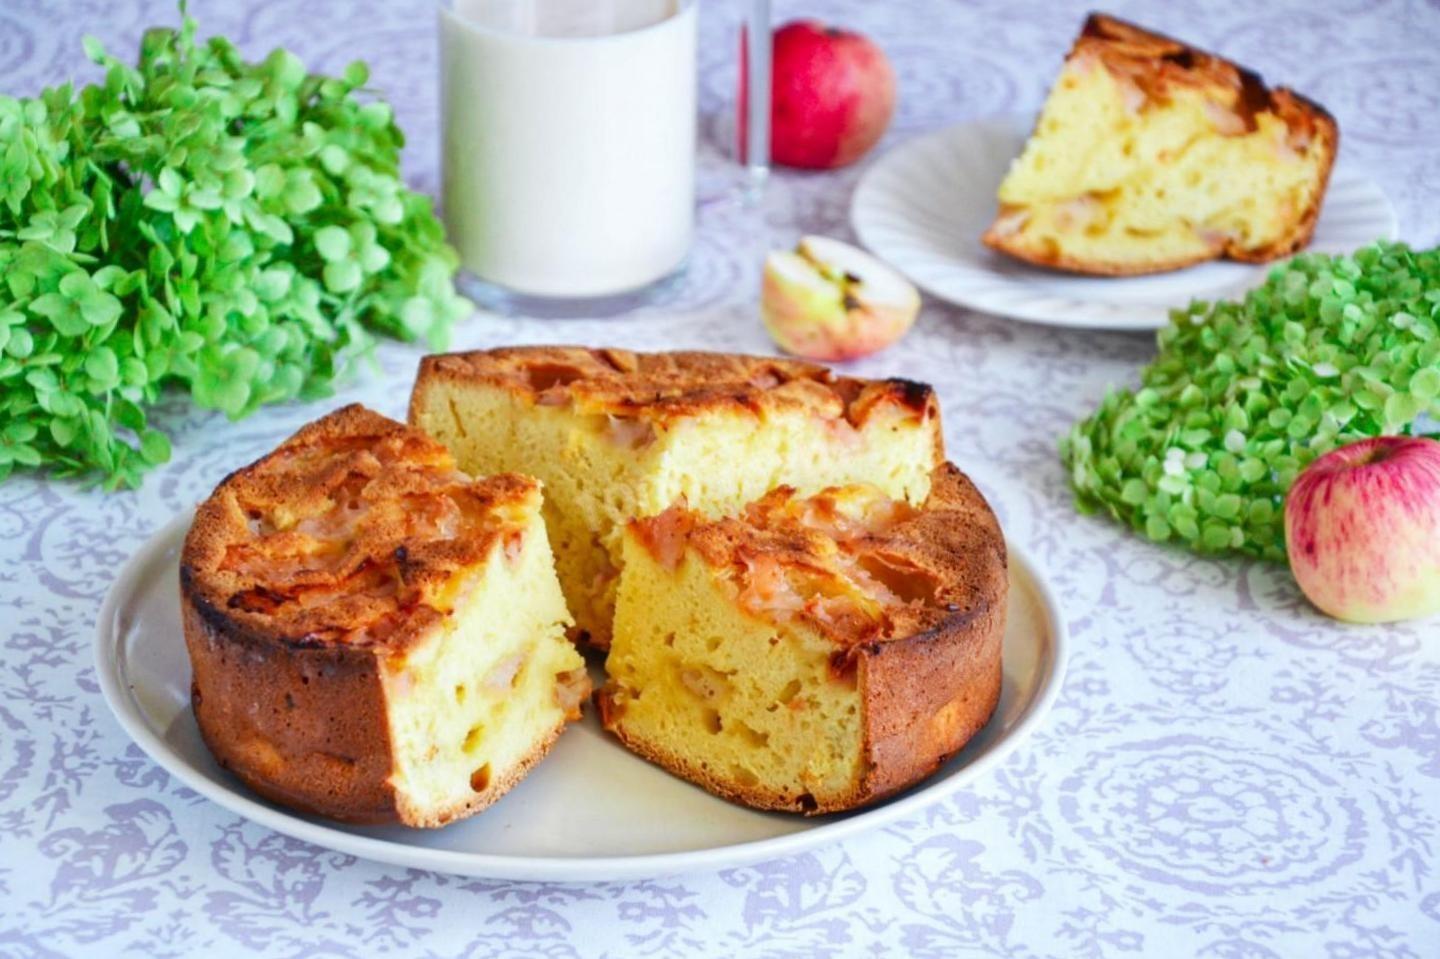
(828, 300)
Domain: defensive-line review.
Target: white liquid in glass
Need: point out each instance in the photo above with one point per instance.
(569, 141)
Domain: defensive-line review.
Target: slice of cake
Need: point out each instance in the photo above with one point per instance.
(1151, 155)
(615, 435)
(811, 654)
(375, 636)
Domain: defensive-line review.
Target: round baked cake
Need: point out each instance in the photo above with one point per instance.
(810, 654)
(375, 636)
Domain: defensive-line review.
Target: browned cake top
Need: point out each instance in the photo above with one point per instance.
(1155, 64)
(661, 387)
(351, 532)
(854, 563)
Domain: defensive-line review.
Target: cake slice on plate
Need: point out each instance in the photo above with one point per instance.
(615, 435)
(374, 635)
(810, 654)
(1151, 155)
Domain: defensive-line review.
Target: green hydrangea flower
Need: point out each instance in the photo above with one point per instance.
(1331, 349)
(238, 230)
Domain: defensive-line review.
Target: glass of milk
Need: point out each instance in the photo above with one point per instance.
(568, 158)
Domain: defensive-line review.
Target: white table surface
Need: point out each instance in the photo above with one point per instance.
(1226, 775)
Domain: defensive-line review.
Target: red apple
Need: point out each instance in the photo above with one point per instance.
(1362, 526)
(833, 96)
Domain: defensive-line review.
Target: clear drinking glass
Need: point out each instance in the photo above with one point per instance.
(752, 109)
(568, 157)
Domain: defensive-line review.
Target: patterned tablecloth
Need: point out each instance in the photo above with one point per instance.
(1226, 774)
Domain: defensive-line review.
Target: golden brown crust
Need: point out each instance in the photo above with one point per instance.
(1158, 64)
(351, 532)
(928, 693)
(856, 565)
(302, 576)
(304, 727)
(663, 387)
(1052, 258)
(927, 661)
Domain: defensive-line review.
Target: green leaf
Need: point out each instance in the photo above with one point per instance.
(269, 181)
(51, 305)
(343, 276)
(356, 73)
(1425, 384)
(157, 200)
(77, 284)
(43, 380)
(232, 396)
(63, 430)
(301, 194)
(205, 199)
(100, 309)
(186, 219)
(21, 344)
(25, 455)
(238, 184)
(65, 315)
(94, 49)
(272, 285)
(154, 447)
(334, 159)
(102, 367)
(170, 183)
(286, 68)
(374, 258)
(332, 243)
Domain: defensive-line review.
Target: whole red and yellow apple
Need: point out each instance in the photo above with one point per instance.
(828, 300)
(1362, 527)
(833, 93)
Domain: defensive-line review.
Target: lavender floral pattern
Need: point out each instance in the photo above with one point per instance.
(1227, 775)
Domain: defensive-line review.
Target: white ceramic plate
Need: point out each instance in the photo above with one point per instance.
(924, 204)
(591, 811)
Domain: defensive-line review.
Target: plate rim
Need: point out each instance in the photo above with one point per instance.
(117, 694)
(1020, 122)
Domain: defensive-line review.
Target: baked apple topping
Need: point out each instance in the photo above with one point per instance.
(332, 539)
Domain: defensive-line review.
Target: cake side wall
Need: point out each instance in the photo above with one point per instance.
(926, 696)
(302, 727)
